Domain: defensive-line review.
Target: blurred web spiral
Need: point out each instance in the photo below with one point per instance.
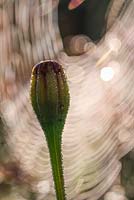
(99, 129)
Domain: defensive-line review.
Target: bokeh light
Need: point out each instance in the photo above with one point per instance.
(107, 73)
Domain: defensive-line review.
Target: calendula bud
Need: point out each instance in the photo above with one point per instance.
(50, 101)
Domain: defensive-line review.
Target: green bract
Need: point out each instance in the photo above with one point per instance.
(50, 101)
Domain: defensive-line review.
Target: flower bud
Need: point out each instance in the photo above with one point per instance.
(50, 101)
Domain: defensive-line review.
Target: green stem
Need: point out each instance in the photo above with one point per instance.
(57, 169)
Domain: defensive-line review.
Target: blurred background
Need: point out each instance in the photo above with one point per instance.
(92, 18)
(89, 18)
